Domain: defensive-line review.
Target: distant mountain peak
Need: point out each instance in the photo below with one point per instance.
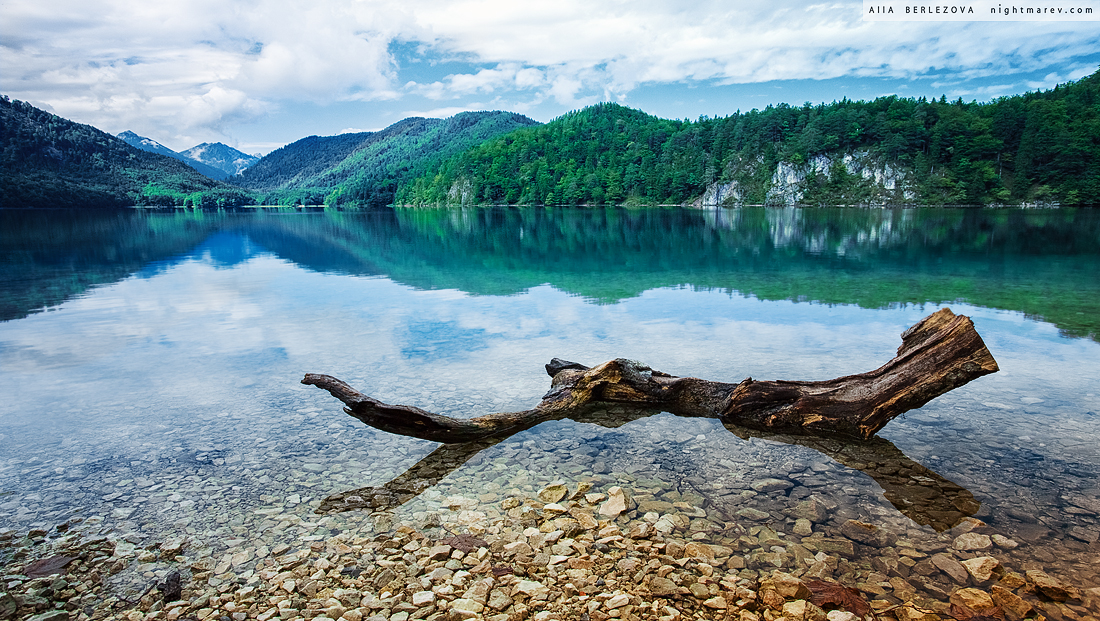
(221, 156)
(148, 144)
(145, 144)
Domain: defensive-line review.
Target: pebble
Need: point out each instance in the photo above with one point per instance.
(615, 504)
(634, 545)
(973, 541)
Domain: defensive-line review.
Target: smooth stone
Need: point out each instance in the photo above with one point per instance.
(867, 534)
(662, 587)
(616, 502)
(786, 585)
(771, 485)
(812, 510)
(440, 552)
(617, 601)
(951, 567)
(802, 609)
(553, 508)
(53, 615)
(1009, 602)
(655, 506)
(467, 605)
(423, 598)
(8, 606)
(498, 600)
(753, 514)
(530, 588)
(553, 493)
(1049, 586)
(975, 599)
(973, 541)
(842, 547)
(717, 603)
(699, 551)
(981, 567)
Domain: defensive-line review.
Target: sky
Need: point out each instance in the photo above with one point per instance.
(258, 74)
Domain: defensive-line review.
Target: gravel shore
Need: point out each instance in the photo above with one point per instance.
(565, 554)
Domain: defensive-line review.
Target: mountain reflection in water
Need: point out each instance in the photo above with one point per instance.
(1039, 262)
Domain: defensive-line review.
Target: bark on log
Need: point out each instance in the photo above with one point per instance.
(941, 352)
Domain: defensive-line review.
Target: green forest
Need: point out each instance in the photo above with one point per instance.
(1035, 147)
(366, 169)
(48, 161)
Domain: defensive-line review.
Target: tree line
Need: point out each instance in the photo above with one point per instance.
(1039, 146)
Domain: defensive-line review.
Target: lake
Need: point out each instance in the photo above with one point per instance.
(150, 366)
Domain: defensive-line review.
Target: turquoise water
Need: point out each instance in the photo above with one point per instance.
(150, 362)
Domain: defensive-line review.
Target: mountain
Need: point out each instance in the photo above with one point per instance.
(222, 157)
(367, 168)
(1035, 148)
(152, 146)
(301, 164)
(49, 161)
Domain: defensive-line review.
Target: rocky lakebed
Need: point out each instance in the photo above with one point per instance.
(588, 549)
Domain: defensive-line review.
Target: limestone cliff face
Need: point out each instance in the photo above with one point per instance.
(461, 192)
(722, 194)
(848, 179)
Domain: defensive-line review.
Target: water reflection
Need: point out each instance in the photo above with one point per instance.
(920, 494)
(1042, 263)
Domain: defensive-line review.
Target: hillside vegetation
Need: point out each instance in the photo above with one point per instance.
(48, 161)
(366, 169)
(1036, 147)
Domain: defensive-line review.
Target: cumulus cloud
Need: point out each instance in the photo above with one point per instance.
(201, 65)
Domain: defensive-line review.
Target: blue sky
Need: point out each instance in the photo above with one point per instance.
(257, 74)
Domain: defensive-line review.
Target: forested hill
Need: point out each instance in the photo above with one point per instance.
(48, 161)
(367, 168)
(1035, 147)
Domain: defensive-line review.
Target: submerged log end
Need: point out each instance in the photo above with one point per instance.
(335, 387)
(968, 348)
(940, 353)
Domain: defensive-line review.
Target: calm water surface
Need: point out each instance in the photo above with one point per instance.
(150, 366)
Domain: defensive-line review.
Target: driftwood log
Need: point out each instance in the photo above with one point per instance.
(941, 352)
(836, 417)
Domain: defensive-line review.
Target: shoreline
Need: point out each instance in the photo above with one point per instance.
(581, 555)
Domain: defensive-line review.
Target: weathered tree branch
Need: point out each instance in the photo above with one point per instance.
(941, 352)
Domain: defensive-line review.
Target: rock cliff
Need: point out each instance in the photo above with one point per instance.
(829, 179)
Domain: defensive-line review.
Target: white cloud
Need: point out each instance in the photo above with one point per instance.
(200, 66)
(442, 113)
(505, 76)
